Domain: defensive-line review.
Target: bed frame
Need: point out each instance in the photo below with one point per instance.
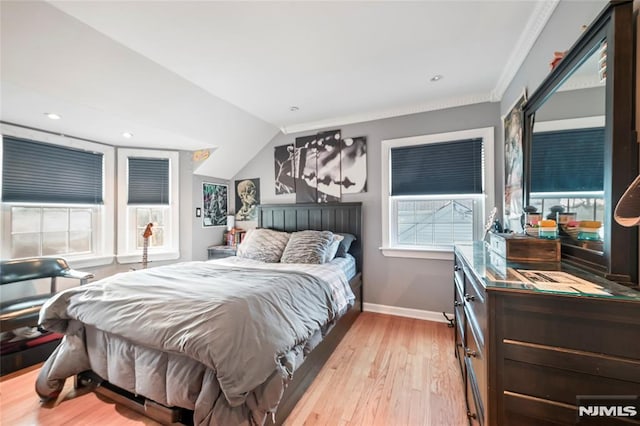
(336, 217)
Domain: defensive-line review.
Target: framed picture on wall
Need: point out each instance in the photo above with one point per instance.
(284, 167)
(247, 199)
(513, 125)
(353, 165)
(215, 202)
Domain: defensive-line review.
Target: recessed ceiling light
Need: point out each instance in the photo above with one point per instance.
(52, 115)
(437, 77)
(293, 108)
(127, 135)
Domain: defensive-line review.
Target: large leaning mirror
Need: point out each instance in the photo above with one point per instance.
(581, 151)
(567, 154)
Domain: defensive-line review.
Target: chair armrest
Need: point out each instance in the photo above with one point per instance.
(72, 273)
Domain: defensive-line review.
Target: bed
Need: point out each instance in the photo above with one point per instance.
(151, 364)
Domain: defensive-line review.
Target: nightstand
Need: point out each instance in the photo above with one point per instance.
(218, 252)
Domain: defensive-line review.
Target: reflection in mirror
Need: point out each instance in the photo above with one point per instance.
(593, 79)
(567, 155)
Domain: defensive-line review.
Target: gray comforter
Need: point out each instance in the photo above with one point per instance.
(247, 326)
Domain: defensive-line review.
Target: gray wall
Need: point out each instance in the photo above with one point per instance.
(416, 283)
(561, 32)
(408, 283)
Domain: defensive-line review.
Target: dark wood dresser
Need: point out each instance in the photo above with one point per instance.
(527, 354)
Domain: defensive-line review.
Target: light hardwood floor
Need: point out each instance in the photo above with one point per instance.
(387, 371)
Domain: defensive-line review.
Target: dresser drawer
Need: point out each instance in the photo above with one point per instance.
(474, 302)
(459, 353)
(475, 357)
(523, 410)
(589, 325)
(461, 321)
(458, 294)
(560, 385)
(474, 406)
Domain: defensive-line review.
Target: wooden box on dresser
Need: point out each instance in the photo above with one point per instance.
(526, 355)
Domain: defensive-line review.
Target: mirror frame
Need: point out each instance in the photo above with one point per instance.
(619, 259)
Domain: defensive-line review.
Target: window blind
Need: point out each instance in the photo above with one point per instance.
(44, 173)
(148, 180)
(568, 160)
(437, 168)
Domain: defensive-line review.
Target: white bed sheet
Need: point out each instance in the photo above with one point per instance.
(338, 273)
(345, 264)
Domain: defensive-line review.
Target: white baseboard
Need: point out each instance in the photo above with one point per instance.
(406, 312)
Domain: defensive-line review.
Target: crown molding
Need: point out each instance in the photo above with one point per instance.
(536, 23)
(386, 113)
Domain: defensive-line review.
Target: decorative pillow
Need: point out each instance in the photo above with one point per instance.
(307, 247)
(333, 248)
(265, 245)
(345, 244)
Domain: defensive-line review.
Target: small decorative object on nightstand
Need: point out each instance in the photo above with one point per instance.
(218, 252)
(233, 237)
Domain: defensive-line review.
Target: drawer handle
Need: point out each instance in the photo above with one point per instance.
(469, 298)
(456, 303)
(469, 353)
(471, 415)
(456, 268)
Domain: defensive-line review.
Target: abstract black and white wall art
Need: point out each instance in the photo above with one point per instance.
(328, 166)
(305, 169)
(320, 168)
(247, 198)
(283, 162)
(214, 204)
(353, 165)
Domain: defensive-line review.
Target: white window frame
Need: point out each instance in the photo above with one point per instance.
(104, 220)
(127, 251)
(391, 249)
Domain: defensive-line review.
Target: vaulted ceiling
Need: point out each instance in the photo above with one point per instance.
(225, 75)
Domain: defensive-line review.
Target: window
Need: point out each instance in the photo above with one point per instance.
(54, 198)
(561, 178)
(149, 194)
(51, 231)
(435, 189)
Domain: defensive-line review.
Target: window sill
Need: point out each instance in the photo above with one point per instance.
(151, 257)
(418, 253)
(88, 262)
